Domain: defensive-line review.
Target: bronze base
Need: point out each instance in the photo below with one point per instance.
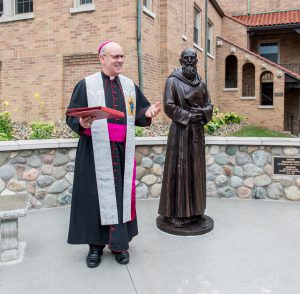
(200, 227)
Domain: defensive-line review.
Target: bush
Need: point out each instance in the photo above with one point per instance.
(5, 126)
(220, 118)
(139, 131)
(41, 130)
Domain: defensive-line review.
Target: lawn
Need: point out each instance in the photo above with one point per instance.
(253, 131)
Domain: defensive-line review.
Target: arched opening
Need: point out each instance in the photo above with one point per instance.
(266, 88)
(231, 72)
(248, 80)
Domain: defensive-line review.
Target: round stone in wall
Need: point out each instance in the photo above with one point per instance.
(158, 149)
(221, 158)
(249, 182)
(3, 157)
(50, 201)
(155, 190)
(160, 159)
(260, 157)
(290, 151)
(140, 172)
(242, 158)
(7, 172)
(211, 190)
(47, 169)
(292, 193)
(65, 199)
(221, 180)
(244, 192)
(231, 150)
(287, 181)
(262, 180)
(214, 149)
(238, 171)
(215, 169)
(16, 186)
(236, 182)
(60, 159)
(156, 169)
(251, 170)
(209, 159)
(146, 162)
(30, 174)
(58, 187)
(149, 179)
(275, 191)
(34, 161)
(259, 193)
(44, 181)
(141, 191)
(59, 172)
(226, 192)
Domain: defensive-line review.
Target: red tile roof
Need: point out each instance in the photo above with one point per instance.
(269, 19)
(291, 73)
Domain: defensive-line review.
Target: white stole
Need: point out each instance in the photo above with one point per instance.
(102, 150)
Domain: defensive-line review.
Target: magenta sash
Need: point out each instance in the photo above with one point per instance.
(117, 133)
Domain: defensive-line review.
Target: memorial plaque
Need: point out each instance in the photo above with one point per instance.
(278, 94)
(286, 165)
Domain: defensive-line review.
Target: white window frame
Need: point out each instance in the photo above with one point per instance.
(9, 12)
(148, 8)
(199, 22)
(210, 35)
(78, 7)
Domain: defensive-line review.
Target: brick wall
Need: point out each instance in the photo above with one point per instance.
(238, 7)
(231, 100)
(235, 32)
(291, 106)
(289, 45)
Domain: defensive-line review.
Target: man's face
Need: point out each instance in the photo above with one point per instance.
(189, 62)
(112, 59)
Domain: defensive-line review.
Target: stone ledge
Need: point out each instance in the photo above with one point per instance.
(142, 141)
(12, 214)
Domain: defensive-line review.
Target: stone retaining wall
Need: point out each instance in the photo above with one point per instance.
(236, 167)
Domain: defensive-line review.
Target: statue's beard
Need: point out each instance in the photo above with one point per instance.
(189, 71)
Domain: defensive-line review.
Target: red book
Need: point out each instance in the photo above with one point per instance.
(99, 112)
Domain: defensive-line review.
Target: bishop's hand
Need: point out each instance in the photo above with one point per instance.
(153, 110)
(86, 122)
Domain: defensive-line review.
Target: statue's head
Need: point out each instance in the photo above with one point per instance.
(188, 61)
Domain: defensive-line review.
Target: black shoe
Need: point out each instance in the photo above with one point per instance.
(121, 257)
(93, 258)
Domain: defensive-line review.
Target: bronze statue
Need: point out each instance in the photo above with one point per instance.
(183, 196)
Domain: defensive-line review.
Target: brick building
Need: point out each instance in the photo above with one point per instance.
(251, 61)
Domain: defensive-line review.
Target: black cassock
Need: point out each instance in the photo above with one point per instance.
(184, 181)
(85, 223)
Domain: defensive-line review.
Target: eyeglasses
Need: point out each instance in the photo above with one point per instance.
(116, 57)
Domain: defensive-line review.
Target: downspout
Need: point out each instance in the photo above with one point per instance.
(249, 7)
(206, 41)
(139, 44)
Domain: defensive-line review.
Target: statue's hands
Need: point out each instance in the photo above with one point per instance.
(153, 110)
(196, 115)
(86, 122)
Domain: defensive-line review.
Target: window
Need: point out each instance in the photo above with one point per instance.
(269, 51)
(148, 4)
(13, 10)
(197, 26)
(266, 89)
(1, 7)
(24, 6)
(248, 84)
(210, 34)
(82, 6)
(231, 72)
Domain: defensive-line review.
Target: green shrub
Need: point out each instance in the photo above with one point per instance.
(5, 126)
(220, 118)
(41, 130)
(139, 131)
